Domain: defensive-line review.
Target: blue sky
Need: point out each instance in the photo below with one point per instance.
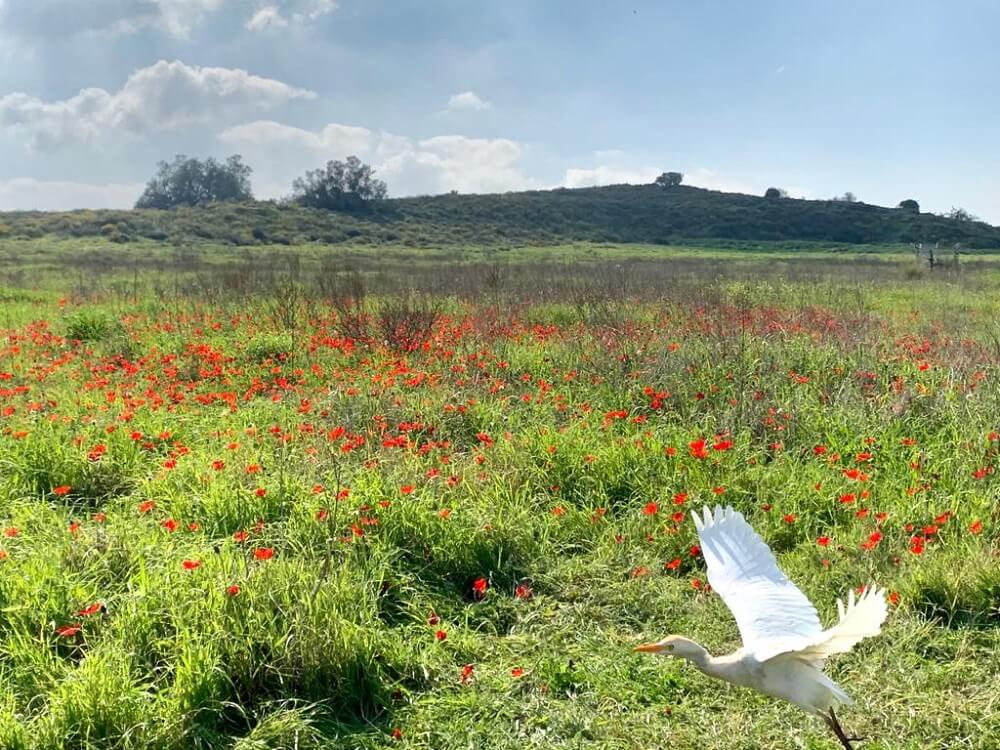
(886, 99)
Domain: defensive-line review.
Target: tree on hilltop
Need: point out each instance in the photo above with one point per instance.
(339, 186)
(909, 205)
(192, 182)
(669, 179)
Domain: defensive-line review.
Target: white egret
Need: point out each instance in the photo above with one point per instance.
(784, 646)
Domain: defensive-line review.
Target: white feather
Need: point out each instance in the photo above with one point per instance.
(773, 615)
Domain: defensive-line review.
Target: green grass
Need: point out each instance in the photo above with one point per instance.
(161, 444)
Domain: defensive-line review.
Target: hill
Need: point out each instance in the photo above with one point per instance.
(618, 213)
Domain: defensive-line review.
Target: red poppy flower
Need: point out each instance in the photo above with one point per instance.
(976, 527)
(790, 518)
(263, 553)
(11, 532)
(241, 536)
(650, 509)
(93, 609)
(516, 672)
(523, 591)
(68, 631)
(893, 598)
(62, 489)
(433, 619)
(873, 540)
(823, 541)
(169, 524)
(146, 506)
(479, 587)
(233, 590)
(697, 448)
(191, 564)
(673, 564)
(440, 635)
(407, 489)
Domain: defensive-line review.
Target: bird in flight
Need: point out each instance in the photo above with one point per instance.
(784, 646)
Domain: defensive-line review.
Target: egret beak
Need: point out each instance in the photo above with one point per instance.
(649, 648)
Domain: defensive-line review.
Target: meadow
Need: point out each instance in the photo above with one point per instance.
(361, 497)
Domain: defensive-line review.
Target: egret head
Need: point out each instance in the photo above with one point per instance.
(674, 645)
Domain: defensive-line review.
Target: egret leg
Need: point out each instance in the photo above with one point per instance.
(834, 724)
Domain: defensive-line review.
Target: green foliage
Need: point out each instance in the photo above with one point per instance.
(191, 182)
(669, 180)
(339, 186)
(354, 514)
(86, 325)
(618, 213)
(265, 347)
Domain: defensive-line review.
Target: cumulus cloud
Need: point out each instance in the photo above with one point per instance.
(468, 100)
(605, 175)
(164, 96)
(712, 180)
(28, 194)
(409, 166)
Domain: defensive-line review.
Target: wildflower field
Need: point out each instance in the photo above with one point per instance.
(392, 499)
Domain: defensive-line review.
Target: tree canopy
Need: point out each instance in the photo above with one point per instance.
(909, 205)
(339, 186)
(192, 182)
(669, 179)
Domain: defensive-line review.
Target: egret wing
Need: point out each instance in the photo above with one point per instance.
(772, 614)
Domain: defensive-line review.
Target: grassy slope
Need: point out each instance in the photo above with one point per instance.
(618, 214)
(313, 654)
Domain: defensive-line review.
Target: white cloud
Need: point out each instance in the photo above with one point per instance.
(268, 17)
(61, 18)
(27, 194)
(469, 101)
(284, 13)
(164, 96)
(711, 180)
(604, 175)
(409, 166)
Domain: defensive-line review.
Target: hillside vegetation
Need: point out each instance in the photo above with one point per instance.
(620, 213)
